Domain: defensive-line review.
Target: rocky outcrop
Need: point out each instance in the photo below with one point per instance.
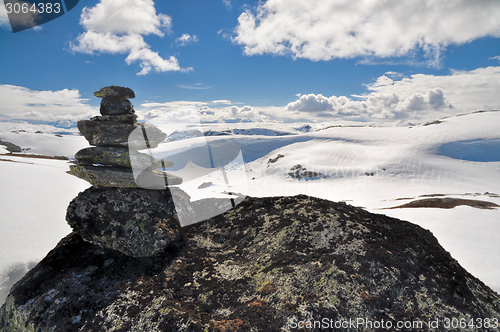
(266, 265)
(11, 147)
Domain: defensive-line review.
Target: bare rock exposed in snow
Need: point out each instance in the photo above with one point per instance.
(447, 203)
(263, 266)
(273, 160)
(11, 147)
(299, 172)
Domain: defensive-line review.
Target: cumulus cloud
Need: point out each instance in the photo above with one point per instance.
(186, 39)
(208, 112)
(418, 97)
(326, 29)
(63, 107)
(118, 26)
(375, 105)
(465, 90)
(390, 96)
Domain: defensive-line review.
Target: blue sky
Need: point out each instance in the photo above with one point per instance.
(311, 60)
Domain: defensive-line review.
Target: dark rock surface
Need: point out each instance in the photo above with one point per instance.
(100, 133)
(255, 268)
(115, 91)
(107, 176)
(116, 106)
(136, 222)
(120, 157)
(129, 118)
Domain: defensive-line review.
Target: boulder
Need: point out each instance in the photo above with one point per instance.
(266, 265)
(100, 133)
(104, 176)
(120, 157)
(136, 222)
(116, 106)
(115, 91)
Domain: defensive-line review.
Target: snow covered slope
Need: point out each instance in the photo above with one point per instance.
(34, 196)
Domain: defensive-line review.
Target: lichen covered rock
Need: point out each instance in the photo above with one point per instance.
(130, 118)
(115, 91)
(136, 222)
(116, 106)
(262, 266)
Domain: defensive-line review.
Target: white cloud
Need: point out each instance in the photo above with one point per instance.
(376, 106)
(495, 58)
(186, 39)
(465, 90)
(125, 17)
(63, 106)
(390, 96)
(326, 29)
(119, 26)
(149, 111)
(227, 3)
(172, 105)
(418, 97)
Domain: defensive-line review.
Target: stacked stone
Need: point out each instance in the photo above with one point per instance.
(116, 147)
(116, 212)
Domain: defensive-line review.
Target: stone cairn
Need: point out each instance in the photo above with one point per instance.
(116, 212)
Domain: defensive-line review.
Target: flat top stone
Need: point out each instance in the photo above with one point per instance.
(115, 91)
